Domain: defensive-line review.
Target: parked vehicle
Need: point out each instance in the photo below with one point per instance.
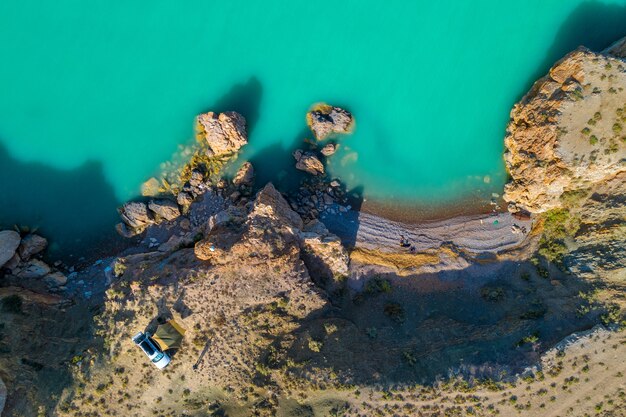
(159, 358)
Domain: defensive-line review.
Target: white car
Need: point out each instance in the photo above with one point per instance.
(159, 358)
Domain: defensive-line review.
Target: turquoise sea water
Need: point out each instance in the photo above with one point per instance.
(95, 95)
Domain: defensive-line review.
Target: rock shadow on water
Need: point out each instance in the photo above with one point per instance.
(593, 24)
(75, 209)
(245, 99)
(488, 321)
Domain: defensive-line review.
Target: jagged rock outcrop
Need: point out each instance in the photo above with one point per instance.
(164, 209)
(244, 176)
(324, 255)
(31, 244)
(136, 215)
(325, 120)
(9, 242)
(568, 132)
(225, 133)
(566, 155)
(308, 162)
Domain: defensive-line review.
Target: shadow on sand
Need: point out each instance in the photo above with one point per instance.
(480, 322)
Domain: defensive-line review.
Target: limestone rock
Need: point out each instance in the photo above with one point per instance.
(570, 129)
(151, 188)
(184, 199)
(329, 149)
(136, 215)
(270, 203)
(324, 255)
(244, 176)
(225, 133)
(56, 279)
(165, 209)
(31, 245)
(34, 269)
(308, 162)
(325, 120)
(9, 241)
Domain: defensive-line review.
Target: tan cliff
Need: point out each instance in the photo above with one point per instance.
(568, 132)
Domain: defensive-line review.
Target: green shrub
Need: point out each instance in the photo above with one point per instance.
(12, 304)
(395, 312)
(593, 139)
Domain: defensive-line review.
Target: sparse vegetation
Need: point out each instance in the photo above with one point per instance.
(12, 304)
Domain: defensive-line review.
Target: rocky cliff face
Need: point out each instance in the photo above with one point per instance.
(568, 132)
(566, 155)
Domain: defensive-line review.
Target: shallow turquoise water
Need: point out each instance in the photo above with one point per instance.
(94, 95)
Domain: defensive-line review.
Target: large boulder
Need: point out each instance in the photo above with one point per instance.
(308, 162)
(31, 245)
(244, 176)
(325, 120)
(9, 242)
(165, 209)
(225, 133)
(34, 269)
(56, 279)
(136, 215)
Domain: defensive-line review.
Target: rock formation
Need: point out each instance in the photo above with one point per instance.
(308, 162)
(325, 120)
(329, 149)
(244, 176)
(3, 395)
(9, 242)
(225, 133)
(568, 132)
(31, 244)
(566, 155)
(164, 209)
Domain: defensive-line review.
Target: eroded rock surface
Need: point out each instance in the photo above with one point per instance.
(225, 133)
(31, 244)
(9, 242)
(325, 120)
(308, 162)
(568, 132)
(244, 176)
(165, 209)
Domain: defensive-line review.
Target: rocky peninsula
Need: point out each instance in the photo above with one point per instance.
(300, 305)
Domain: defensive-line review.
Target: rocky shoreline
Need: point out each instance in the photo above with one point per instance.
(291, 298)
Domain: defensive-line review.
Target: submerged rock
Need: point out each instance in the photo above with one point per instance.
(308, 162)
(56, 279)
(225, 133)
(151, 188)
(244, 176)
(9, 241)
(329, 149)
(31, 245)
(325, 120)
(165, 209)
